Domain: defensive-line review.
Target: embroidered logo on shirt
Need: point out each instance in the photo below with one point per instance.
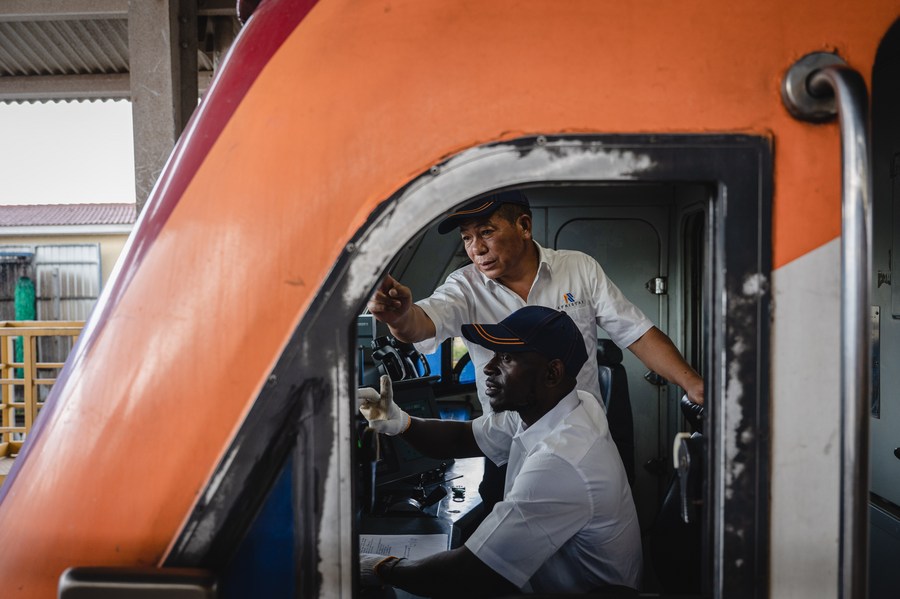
(570, 301)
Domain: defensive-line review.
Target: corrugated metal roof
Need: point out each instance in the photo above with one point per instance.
(82, 47)
(96, 46)
(67, 215)
(68, 51)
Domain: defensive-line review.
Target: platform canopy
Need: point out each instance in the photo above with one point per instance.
(159, 54)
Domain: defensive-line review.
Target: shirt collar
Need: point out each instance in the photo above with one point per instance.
(537, 432)
(544, 257)
(544, 260)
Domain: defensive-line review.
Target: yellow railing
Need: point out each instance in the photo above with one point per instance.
(21, 382)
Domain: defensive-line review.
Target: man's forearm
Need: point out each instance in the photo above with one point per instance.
(442, 438)
(659, 354)
(414, 326)
(456, 573)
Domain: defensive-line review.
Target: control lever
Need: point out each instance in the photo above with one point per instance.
(438, 493)
(682, 458)
(694, 414)
(410, 506)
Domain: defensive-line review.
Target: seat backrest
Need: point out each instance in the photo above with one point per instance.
(614, 387)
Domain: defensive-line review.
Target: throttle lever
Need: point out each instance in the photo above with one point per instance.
(436, 495)
(682, 458)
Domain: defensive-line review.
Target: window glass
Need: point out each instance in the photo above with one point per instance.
(458, 352)
(434, 363)
(263, 565)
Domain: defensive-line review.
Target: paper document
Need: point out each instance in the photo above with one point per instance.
(408, 546)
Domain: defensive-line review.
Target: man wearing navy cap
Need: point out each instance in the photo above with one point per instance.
(510, 270)
(567, 521)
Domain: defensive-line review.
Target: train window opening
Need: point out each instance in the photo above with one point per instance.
(633, 231)
(688, 235)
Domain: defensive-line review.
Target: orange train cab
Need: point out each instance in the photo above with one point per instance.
(215, 380)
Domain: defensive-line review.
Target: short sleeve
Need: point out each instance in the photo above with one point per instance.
(547, 505)
(448, 308)
(494, 434)
(623, 321)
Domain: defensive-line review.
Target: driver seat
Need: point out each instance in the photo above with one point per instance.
(614, 388)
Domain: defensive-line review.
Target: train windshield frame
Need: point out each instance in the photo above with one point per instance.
(307, 410)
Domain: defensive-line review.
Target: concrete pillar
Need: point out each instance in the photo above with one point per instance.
(162, 44)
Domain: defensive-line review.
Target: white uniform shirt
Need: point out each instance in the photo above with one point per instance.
(567, 522)
(566, 280)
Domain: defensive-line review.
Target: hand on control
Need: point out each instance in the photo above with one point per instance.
(695, 391)
(380, 410)
(693, 413)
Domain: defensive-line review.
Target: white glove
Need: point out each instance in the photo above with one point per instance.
(369, 564)
(380, 410)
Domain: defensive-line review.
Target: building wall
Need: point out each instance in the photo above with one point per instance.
(110, 245)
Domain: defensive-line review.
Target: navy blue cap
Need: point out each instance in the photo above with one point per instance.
(482, 208)
(546, 331)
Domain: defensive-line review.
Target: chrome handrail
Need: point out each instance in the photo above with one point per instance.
(816, 79)
(856, 282)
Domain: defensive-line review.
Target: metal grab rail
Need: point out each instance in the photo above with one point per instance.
(856, 276)
(824, 78)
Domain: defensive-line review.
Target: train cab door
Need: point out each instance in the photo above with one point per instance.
(627, 232)
(630, 249)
